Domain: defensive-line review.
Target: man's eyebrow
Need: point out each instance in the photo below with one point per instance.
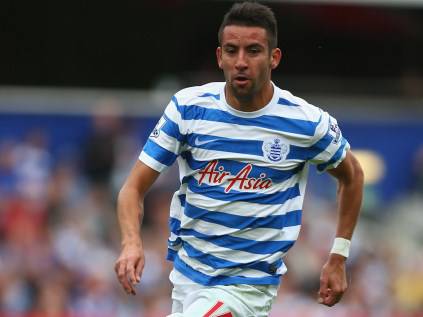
(229, 44)
(249, 46)
(254, 45)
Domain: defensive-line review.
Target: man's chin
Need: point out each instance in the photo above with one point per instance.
(241, 90)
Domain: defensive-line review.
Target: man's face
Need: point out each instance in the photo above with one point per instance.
(245, 60)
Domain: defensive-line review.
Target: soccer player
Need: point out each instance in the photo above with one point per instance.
(243, 148)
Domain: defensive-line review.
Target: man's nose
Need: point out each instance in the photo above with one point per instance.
(241, 60)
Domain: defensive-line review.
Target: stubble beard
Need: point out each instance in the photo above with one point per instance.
(244, 94)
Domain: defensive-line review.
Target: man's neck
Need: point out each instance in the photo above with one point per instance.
(250, 103)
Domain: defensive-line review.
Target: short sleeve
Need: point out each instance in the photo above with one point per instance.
(331, 146)
(165, 141)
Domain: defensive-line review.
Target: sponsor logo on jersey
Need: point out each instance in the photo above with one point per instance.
(215, 175)
(274, 150)
(198, 142)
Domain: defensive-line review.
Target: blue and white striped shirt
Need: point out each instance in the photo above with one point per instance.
(243, 177)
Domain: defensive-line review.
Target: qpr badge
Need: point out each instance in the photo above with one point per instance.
(274, 150)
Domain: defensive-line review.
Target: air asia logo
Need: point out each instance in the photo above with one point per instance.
(214, 174)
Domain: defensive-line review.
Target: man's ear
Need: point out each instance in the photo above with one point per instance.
(219, 56)
(275, 58)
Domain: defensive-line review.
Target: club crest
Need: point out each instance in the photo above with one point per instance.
(274, 150)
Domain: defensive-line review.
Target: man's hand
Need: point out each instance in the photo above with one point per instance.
(333, 280)
(129, 266)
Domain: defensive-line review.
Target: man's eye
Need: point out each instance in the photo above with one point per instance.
(230, 50)
(254, 50)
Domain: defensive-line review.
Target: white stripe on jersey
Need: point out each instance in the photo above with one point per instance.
(259, 234)
(242, 256)
(240, 208)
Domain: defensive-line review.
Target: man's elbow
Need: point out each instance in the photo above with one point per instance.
(121, 194)
(128, 193)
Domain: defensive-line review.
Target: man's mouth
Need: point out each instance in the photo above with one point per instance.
(241, 79)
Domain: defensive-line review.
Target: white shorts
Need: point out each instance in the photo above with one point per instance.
(194, 300)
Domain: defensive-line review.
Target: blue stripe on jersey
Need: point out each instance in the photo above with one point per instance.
(218, 192)
(171, 255)
(218, 263)
(298, 126)
(208, 280)
(174, 225)
(241, 244)
(234, 167)
(216, 143)
(307, 153)
(208, 94)
(159, 153)
(172, 129)
(335, 157)
(182, 198)
(286, 102)
(292, 218)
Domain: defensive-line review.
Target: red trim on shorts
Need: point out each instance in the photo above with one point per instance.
(213, 309)
(226, 315)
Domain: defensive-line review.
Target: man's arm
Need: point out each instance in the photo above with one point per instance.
(350, 177)
(130, 212)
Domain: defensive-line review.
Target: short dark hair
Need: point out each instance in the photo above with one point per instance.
(252, 13)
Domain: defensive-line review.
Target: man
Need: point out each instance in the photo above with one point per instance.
(243, 149)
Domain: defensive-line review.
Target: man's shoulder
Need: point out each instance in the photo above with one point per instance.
(197, 94)
(296, 106)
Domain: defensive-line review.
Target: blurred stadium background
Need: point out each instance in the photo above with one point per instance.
(82, 83)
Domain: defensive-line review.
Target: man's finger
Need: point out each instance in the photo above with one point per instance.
(325, 298)
(130, 271)
(337, 295)
(123, 279)
(138, 270)
(324, 290)
(331, 298)
(117, 264)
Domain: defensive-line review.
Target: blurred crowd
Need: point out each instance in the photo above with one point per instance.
(59, 239)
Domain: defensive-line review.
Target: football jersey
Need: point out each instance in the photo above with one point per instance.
(243, 177)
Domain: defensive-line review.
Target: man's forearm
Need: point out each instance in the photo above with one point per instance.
(130, 213)
(350, 195)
